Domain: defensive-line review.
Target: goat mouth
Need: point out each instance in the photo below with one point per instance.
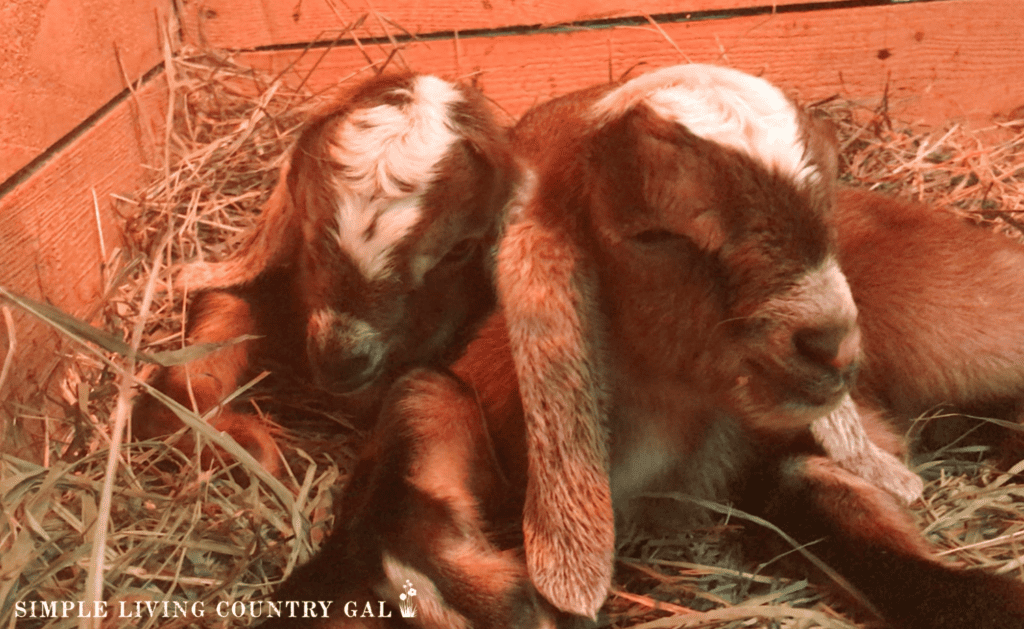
(774, 400)
(345, 381)
(817, 398)
(798, 386)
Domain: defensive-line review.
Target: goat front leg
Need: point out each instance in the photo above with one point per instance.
(203, 384)
(427, 522)
(868, 537)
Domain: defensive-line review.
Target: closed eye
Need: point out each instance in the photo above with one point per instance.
(655, 236)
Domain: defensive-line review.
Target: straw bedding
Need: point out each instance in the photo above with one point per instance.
(199, 538)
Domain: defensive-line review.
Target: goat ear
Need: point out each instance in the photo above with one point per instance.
(855, 436)
(272, 242)
(568, 523)
(822, 140)
(656, 169)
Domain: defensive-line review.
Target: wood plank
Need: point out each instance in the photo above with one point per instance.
(245, 24)
(61, 61)
(49, 234)
(935, 61)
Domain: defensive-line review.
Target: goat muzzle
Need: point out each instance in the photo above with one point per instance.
(345, 353)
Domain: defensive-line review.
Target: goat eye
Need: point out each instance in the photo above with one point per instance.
(656, 236)
(461, 252)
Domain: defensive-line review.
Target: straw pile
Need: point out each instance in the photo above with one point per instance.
(198, 538)
(194, 537)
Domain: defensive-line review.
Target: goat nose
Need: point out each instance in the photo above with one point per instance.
(348, 371)
(344, 352)
(836, 346)
(353, 366)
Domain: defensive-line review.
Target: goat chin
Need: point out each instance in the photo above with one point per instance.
(373, 254)
(674, 316)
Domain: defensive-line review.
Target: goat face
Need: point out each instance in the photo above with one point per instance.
(668, 290)
(374, 253)
(717, 272)
(705, 234)
(402, 195)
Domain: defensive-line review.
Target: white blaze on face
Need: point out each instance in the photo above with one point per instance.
(821, 298)
(828, 293)
(725, 106)
(389, 156)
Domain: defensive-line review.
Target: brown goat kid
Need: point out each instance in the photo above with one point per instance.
(673, 318)
(942, 320)
(374, 255)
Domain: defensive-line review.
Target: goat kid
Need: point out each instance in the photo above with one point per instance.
(673, 317)
(374, 254)
(941, 321)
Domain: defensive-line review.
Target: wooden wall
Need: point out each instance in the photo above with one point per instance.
(243, 24)
(934, 60)
(68, 128)
(61, 61)
(71, 135)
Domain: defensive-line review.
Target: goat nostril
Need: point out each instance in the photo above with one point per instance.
(836, 346)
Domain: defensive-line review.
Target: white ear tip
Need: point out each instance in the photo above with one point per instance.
(841, 433)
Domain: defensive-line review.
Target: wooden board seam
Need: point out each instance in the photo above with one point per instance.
(595, 24)
(26, 171)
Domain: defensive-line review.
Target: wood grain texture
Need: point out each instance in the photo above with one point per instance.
(244, 24)
(61, 60)
(49, 233)
(934, 61)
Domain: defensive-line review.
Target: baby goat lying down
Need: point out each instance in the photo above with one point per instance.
(673, 318)
(374, 254)
(942, 321)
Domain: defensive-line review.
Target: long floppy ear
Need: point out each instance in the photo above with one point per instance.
(568, 526)
(272, 242)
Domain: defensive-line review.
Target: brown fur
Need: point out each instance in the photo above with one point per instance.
(940, 305)
(679, 279)
(318, 318)
(670, 327)
(862, 530)
(431, 501)
(200, 385)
